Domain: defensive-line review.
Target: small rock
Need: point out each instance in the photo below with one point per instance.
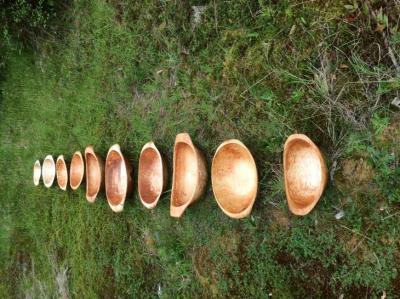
(396, 102)
(197, 12)
(339, 215)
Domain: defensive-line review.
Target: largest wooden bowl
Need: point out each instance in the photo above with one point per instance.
(76, 170)
(37, 173)
(118, 178)
(94, 174)
(189, 175)
(234, 178)
(152, 176)
(48, 171)
(62, 173)
(305, 173)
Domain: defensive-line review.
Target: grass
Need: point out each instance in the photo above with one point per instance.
(127, 73)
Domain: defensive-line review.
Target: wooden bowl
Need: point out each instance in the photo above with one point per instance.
(234, 178)
(189, 175)
(118, 178)
(305, 173)
(76, 170)
(37, 172)
(62, 172)
(94, 174)
(152, 177)
(48, 171)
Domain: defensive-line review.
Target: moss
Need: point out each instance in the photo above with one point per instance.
(356, 175)
(389, 138)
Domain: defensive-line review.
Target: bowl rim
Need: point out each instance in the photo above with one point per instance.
(53, 166)
(249, 208)
(37, 167)
(151, 146)
(295, 208)
(89, 150)
(79, 154)
(120, 206)
(61, 158)
(183, 138)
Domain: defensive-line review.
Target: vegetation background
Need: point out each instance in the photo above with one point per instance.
(103, 72)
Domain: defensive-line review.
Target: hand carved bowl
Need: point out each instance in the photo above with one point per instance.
(305, 173)
(152, 177)
(76, 170)
(189, 175)
(94, 174)
(118, 178)
(234, 178)
(62, 173)
(37, 173)
(48, 171)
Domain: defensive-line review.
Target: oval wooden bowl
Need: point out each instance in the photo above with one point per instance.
(118, 178)
(48, 171)
(76, 170)
(152, 176)
(37, 172)
(189, 175)
(94, 174)
(234, 178)
(62, 173)
(305, 173)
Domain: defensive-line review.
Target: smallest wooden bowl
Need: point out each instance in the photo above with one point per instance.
(152, 175)
(234, 178)
(37, 172)
(48, 171)
(76, 170)
(62, 173)
(305, 174)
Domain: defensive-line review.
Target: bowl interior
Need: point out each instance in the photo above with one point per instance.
(93, 175)
(234, 178)
(77, 169)
(37, 172)
(185, 174)
(116, 178)
(150, 175)
(48, 171)
(62, 173)
(303, 172)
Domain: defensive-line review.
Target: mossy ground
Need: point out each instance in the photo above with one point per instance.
(129, 72)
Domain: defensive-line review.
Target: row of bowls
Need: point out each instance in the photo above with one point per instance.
(233, 175)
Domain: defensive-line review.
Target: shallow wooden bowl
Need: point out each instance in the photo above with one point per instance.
(189, 175)
(48, 171)
(61, 172)
(305, 173)
(118, 178)
(152, 176)
(234, 178)
(37, 172)
(76, 170)
(94, 174)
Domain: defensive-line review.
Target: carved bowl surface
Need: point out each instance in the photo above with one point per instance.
(234, 178)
